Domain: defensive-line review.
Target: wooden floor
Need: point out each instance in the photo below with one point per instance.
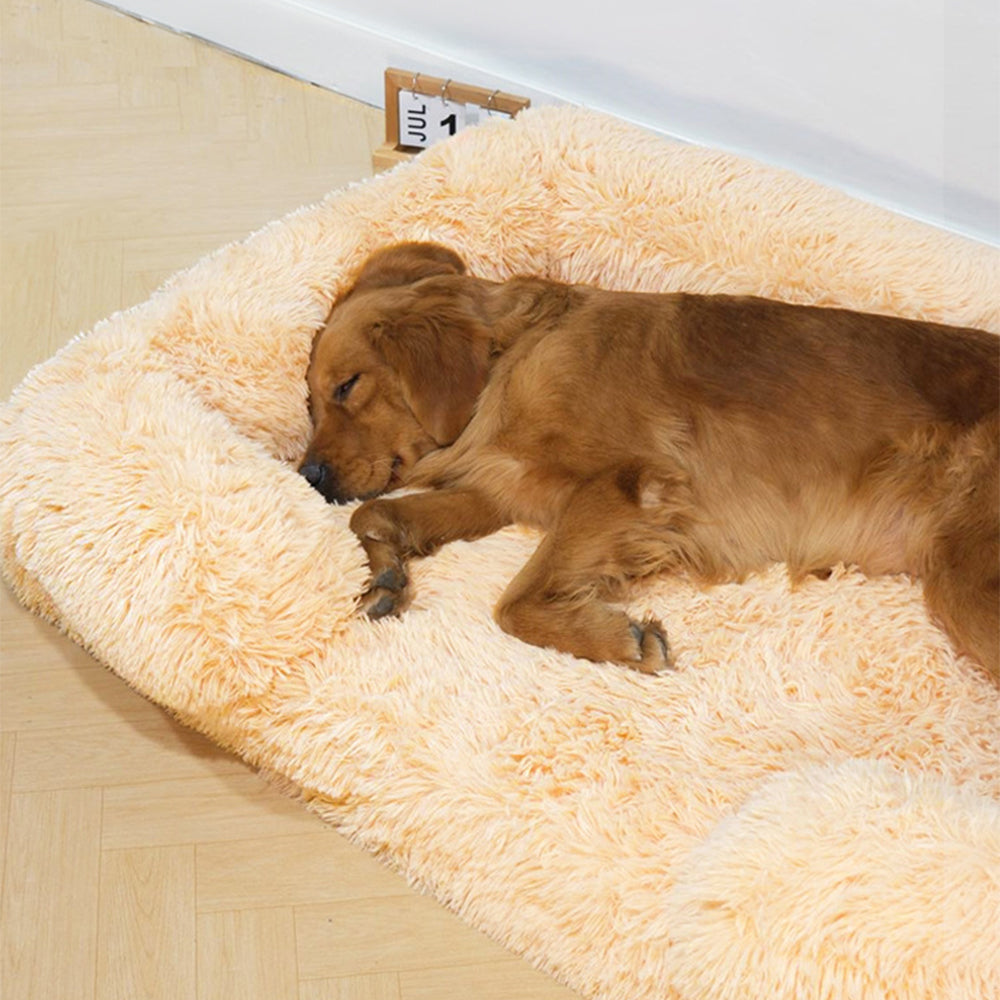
(138, 860)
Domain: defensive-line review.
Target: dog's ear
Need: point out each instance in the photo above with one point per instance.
(404, 263)
(440, 352)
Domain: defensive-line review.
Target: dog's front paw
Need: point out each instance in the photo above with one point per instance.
(652, 648)
(388, 594)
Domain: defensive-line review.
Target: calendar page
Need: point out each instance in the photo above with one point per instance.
(425, 119)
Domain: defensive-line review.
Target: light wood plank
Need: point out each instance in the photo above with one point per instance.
(50, 895)
(309, 868)
(494, 981)
(22, 636)
(115, 754)
(25, 27)
(147, 924)
(248, 954)
(24, 103)
(88, 283)
(382, 986)
(8, 747)
(78, 697)
(218, 807)
(365, 936)
(25, 305)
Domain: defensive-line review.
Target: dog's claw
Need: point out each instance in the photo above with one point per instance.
(654, 653)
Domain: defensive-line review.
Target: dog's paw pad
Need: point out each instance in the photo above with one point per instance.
(653, 650)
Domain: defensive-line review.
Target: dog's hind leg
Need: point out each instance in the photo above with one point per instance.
(614, 527)
(962, 575)
(962, 590)
(965, 599)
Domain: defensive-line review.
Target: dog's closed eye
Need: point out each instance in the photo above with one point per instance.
(343, 390)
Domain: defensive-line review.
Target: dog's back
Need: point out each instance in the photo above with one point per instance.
(740, 346)
(824, 435)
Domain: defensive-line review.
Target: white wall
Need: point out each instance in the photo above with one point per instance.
(897, 101)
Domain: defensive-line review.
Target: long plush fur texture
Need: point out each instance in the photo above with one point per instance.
(809, 806)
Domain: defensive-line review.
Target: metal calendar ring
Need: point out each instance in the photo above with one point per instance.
(413, 84)
(444, 89)
(491, 104)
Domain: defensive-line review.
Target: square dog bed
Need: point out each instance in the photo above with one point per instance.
(808, 807)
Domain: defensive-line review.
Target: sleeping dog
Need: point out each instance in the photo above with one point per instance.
(654, 433)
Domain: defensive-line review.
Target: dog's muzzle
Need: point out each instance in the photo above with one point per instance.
(323, 479)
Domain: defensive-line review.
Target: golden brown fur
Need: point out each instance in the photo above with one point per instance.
(652, 433)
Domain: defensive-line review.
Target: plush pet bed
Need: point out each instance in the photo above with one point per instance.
(808, 807)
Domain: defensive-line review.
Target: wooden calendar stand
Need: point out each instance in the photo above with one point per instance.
(421, 110)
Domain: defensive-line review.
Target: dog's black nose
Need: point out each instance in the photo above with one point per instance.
(315, 473)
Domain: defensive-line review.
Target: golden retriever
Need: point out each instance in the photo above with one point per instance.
(644, 433)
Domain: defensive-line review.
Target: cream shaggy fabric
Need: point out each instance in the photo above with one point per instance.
(807, 808)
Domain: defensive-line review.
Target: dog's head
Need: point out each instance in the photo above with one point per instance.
(395, 371)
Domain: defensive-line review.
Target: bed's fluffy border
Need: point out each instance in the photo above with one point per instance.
(808, 808)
